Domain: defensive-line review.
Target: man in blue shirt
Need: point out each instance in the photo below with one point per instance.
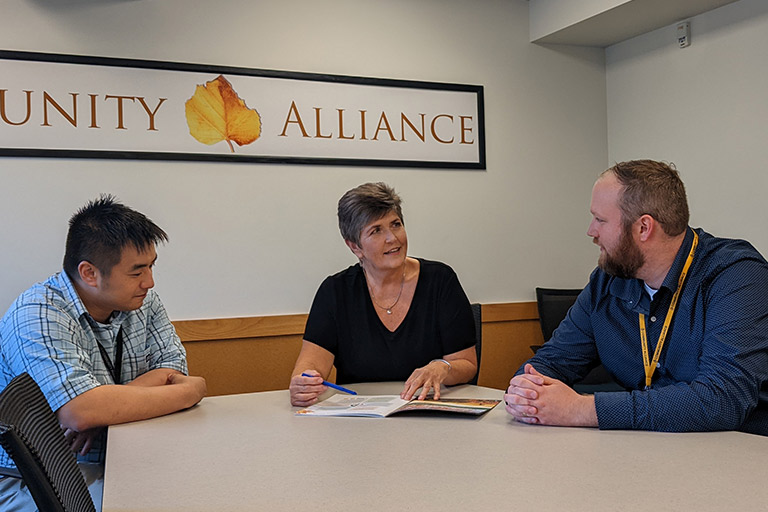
(677, 316)
(97, 340)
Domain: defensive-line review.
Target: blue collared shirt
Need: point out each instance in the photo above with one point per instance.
(48, 333)
(713, 370)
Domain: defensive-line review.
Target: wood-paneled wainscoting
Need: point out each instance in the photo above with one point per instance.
(242, 355)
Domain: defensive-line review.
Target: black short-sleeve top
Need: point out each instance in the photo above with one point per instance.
(343, 321)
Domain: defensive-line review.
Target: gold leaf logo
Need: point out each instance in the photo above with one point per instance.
(215, 112)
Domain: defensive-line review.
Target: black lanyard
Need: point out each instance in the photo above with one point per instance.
(116, 369)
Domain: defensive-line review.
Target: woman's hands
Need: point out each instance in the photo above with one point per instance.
(456, 368)
(305, 390)
(313, 360)
(427, 377)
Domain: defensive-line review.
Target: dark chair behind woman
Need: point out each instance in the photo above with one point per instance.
(477, 312)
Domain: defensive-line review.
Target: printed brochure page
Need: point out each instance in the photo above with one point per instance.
(381, 406)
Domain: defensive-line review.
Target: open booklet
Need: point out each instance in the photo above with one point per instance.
(384, 405)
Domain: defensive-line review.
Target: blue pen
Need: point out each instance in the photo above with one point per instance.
(332, 385)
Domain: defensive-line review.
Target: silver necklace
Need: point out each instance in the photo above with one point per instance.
(373, 297)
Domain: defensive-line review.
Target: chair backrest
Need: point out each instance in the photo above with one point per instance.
(477, 312)
(32, 437)
(554, 304)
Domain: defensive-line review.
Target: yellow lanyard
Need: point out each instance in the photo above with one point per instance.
(650, 366)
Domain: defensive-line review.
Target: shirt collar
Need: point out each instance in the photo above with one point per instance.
(670, 282)
(632, 290)
(70, 293)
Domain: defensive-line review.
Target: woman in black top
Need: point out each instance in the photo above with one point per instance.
(389, 317)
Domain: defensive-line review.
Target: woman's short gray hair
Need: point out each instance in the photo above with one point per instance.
(364, 204)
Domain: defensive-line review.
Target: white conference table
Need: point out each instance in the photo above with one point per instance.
(249, 452)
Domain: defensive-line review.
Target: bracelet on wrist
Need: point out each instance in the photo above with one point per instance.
(443, 361)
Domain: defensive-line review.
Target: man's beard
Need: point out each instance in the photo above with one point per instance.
(627, 259)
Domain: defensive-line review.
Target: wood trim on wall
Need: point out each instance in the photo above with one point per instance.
(510, 312)
(248, 354)
(242, 327)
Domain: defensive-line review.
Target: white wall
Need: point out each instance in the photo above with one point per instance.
(705, 108)
(549, 16)
(251, 239)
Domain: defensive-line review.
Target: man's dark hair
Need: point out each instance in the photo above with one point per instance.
(101, 229)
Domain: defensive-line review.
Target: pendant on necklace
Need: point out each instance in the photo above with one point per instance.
(389, 311)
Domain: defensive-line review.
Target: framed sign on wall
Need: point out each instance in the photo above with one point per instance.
(61, 106)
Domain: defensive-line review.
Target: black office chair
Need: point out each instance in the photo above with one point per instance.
(554, 304)
(477, 312)
(32, 437)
